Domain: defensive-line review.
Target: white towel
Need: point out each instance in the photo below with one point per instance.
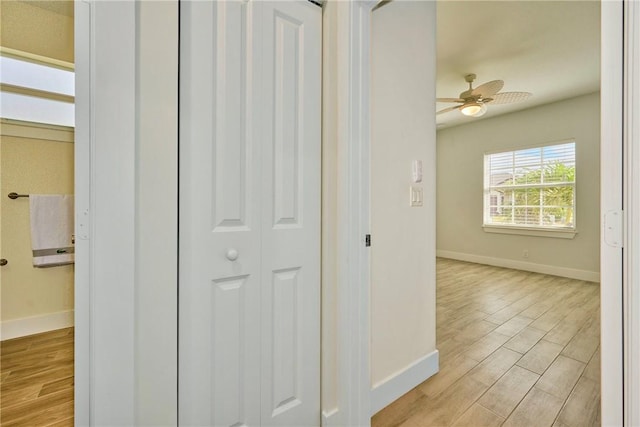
(51, 229)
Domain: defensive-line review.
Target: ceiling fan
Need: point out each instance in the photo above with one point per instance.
(473, 102)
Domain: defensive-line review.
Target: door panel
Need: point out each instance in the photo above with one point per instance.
(250, 214)
(291, 215)
(219, 345)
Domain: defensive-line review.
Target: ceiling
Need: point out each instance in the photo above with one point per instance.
(548, 48)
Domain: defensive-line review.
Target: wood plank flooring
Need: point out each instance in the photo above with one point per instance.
(36, 386)
(516, 349)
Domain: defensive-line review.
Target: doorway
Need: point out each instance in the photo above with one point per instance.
(468, 205)
(516, 222)
(37, 274)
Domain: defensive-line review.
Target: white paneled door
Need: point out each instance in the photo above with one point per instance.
(249, 292)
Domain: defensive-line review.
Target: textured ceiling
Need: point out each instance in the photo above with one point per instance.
(548, 48)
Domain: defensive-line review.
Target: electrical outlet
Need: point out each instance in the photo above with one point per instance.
(525, 253)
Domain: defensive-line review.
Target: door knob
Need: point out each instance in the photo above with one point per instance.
(232, 254)
(3, 262)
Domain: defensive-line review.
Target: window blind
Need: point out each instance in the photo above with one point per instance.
(532, 187)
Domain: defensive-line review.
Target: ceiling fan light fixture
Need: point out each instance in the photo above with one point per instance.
(473, 102)
(473, 109)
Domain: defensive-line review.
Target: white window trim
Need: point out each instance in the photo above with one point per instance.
(36, 92)
(562, 233)
(36, 59)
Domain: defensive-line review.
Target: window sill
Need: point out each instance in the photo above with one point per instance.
(530, 231)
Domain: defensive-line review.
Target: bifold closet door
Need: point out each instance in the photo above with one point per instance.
(249, 297)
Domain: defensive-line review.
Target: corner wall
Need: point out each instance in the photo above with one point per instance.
(403, 342)
(459, 180)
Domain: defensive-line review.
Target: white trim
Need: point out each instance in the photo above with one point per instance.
(83, 206)
(396, 385)
(632, 209)
(589, 276)
(22, 327)
(611, 174)
(558, 233)
(354, 44)
(31, 130)
(105, 212)
(36, 59)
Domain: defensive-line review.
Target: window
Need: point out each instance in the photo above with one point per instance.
(36, 93)
(533, 188)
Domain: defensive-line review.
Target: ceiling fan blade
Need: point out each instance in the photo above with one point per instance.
(486, 90)
(446, 110)
(449, 100)
(509, 97)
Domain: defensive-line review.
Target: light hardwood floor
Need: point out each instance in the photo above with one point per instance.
(36, 374)
(516, 349)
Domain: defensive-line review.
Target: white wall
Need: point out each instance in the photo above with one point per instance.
(403, 340)
(460, 153)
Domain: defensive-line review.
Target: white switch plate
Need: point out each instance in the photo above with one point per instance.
(416, 196)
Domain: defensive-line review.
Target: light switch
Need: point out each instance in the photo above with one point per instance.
(416, 196)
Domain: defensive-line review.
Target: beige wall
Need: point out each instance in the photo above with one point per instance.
(40, 27)
(460, 182)
(156, 308)
(403, 129)
(32, 166)
(329, 207)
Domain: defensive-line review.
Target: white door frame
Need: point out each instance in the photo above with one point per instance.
(105, 164)
(354, 124)
(631, 135)
(82, 165)
(126, 207)
(611, 385)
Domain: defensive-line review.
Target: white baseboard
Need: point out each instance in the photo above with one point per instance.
(398, 384)
(16, 328)
(590, 276)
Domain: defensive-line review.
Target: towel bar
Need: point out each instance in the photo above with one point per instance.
(14, 196)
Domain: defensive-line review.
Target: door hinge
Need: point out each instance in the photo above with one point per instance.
(614, 228)
(367, 240)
